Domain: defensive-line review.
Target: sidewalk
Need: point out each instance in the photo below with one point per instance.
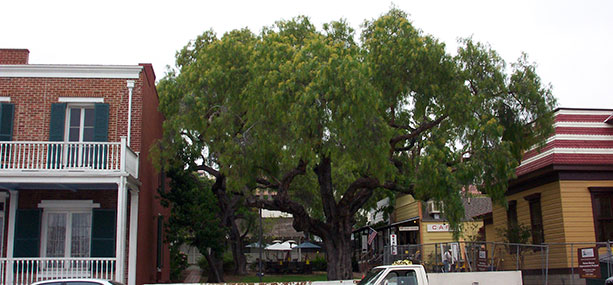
(193, 274)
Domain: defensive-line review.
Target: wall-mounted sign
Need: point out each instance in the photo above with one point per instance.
(482, 260)
(589, 266)
(393, 240)
(393, 243)
(438, 227)
(408, 228)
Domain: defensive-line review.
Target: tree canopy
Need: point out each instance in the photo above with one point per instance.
(327, 121)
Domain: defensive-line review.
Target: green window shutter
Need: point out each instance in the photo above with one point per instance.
(7, 112)
(57, 122)
(56, 134)
(103, 233)
(27, 233)
(101, 125)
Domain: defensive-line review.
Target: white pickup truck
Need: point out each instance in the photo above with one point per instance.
(396, 275)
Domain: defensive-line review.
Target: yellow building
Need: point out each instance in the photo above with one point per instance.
(563, 193)
(417, 225)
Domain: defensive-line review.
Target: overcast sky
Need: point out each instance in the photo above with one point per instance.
(571, 41)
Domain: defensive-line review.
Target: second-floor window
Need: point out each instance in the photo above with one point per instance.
(80, 124)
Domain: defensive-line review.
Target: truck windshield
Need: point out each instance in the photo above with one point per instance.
(371, 277)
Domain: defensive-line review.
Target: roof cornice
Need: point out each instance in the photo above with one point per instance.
(70, 71)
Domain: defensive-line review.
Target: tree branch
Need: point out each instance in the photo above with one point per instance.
(324, 179)
(426, 125)
(266, 184)
(302, 220)
(289, 177)
(209, 170)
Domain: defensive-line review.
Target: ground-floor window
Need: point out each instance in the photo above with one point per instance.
(67, 228)
(67, 234)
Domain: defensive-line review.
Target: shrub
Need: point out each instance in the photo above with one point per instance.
(228, 263)
(319, 263)
(178, 263)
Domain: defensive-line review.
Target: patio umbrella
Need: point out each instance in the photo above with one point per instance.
(280, 246)
(308, 245)
(305, 245)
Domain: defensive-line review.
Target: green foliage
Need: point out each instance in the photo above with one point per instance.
(190, 197)
(319, 263)
(228, 263)
(515, 233)
(178, 263)
(394, 108)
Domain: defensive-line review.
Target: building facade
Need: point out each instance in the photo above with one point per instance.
(416, 226)
(77, 184)
(563, 191)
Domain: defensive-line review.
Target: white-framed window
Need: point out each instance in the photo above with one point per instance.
(80, 121)
(66, 227)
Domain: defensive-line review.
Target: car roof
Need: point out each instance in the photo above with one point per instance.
(102, 281)
(412, 266)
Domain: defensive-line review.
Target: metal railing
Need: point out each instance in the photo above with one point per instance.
(535, 261)
(21, 271)
(568, 256)
(67, 156)
(474, 256)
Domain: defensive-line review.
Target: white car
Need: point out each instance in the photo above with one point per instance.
(396, 275)
(77, 282)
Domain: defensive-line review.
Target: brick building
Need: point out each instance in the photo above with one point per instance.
(77, 184)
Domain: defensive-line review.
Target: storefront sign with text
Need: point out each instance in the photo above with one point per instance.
(438, 227)
(408, 228)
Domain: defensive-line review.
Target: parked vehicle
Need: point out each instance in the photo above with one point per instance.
(77, 282)
(396, 275)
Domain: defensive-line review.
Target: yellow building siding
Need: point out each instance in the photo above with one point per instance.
(577, 209)
(553, 224)
(406, 208)
(567, 217)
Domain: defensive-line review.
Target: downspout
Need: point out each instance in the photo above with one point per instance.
(130, 87)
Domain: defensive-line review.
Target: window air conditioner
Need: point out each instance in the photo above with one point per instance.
(434, 207)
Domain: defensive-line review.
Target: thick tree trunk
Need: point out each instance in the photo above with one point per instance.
(228, 205)
(337, 227)
(215, 268)
(236, 243)
(338, 255)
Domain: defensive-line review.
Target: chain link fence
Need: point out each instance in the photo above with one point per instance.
(474, 256)
(551, 263)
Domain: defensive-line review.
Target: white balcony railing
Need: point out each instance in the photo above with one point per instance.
(66, 156)
(21, 271)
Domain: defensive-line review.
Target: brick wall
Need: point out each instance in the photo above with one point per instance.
(33, 98)
(149, 204)
(14, 56)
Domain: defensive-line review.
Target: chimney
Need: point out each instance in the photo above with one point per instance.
(14, 56)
